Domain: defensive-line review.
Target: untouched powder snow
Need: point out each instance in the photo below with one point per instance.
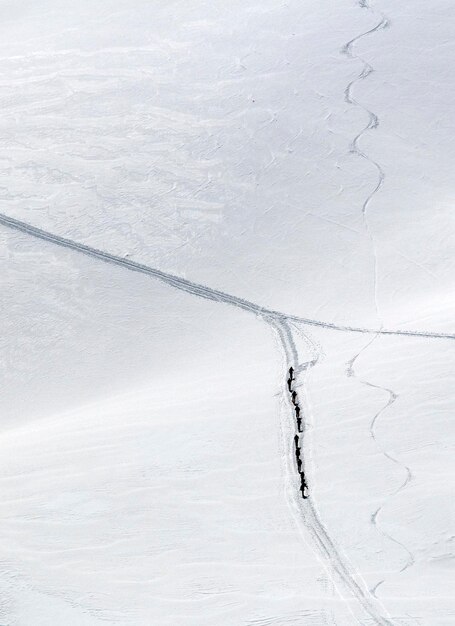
(195, 198)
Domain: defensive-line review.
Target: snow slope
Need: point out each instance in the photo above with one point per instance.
(270, 167)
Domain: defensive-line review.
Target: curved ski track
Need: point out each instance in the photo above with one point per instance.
(350, 372)
(373, 122)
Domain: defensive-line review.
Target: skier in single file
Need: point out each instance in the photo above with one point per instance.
(299, 419)
(291, 378)
(303, 486)
(297, 447)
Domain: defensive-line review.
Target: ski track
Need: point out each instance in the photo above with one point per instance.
(373, 123)
(280, 322)
(199, 290)
(339, 567)
(350, 372)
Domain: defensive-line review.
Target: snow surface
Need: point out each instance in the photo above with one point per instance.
(279, 177)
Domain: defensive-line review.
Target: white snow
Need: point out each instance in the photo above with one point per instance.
(280, 154)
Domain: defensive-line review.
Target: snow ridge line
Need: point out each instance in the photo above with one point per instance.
(197, 289)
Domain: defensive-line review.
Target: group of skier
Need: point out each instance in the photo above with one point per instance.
(294, 399)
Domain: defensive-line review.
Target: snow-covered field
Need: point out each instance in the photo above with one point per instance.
(196, 196)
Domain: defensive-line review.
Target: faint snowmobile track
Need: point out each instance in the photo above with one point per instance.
(196, 289)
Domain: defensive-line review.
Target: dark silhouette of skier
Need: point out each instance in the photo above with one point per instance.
(299, 419)
(297, 447)
(303, 486)
(291, 378)
(297, 453)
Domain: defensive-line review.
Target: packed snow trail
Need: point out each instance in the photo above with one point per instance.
(197, 289)
(339, 568)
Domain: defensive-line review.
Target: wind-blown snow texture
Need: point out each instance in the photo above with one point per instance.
(196, 197)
